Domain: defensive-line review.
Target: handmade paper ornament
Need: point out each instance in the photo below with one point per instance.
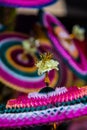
(64, 43)
(17, 64)
(46, 106)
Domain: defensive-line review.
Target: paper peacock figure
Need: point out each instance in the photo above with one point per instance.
(40, 108)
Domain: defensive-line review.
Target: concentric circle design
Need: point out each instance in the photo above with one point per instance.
(27, 3)
(73, 56)
(42, 108)
(22, 74)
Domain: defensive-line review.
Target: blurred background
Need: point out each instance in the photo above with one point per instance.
(69, 12)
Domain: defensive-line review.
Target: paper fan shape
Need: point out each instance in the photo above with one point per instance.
(22, 75)
(38, 109)
(27, 3)
(67, 48)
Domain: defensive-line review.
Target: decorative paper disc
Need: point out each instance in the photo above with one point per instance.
(27, 3)
(22, 74)
(70, 52)
(38, 109)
